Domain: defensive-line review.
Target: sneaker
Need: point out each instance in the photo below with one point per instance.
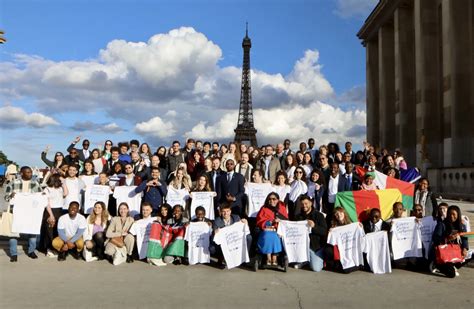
(14, 258)
(61, 256)
(436, 271)
(51, 254)
(32, 255)
(456, 272)
(156, 262)
(76, 255)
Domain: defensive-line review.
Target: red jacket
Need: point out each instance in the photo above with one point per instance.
(267, 214)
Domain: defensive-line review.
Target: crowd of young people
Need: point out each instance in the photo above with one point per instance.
(292, 185)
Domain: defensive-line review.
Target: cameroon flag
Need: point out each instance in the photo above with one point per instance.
(359, 203)
(382, 181)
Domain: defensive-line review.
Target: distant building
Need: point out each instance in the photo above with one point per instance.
(420, 87)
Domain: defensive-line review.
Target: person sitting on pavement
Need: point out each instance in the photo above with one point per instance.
(448, 232)
(119, 241)
(94, 235)
(71, 227)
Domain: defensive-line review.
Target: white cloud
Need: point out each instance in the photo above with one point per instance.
(156, 127)
(173, 87)
(355, 8)
(97, 127)
(12, 117)
(319, 120)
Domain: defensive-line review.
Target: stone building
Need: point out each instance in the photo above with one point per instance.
(420, 87)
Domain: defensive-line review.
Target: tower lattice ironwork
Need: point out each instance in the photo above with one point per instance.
(245, 130)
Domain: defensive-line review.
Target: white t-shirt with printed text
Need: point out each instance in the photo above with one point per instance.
(233, 242)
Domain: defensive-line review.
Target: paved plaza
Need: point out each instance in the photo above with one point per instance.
(46, 283)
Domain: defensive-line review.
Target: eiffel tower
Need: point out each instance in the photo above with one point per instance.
(245, 130)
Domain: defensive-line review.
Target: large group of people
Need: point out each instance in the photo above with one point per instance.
(258, 187)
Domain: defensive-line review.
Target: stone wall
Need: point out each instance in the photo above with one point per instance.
(453, 182)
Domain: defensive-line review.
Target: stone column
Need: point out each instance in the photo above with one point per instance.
(457, 76)
(372, 81)
(387, 86)
(405, 82)
(428, 100)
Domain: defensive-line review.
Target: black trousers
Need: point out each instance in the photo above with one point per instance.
(48, 233)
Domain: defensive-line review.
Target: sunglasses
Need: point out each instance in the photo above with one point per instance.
(108, 144)
(298, 172)
(273, 199)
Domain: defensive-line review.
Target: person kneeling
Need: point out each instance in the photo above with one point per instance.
(94, 235)
(176, 251)
(318, 235)
(71, 226)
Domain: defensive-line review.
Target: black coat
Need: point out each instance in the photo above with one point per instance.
(368, 226)
(319, 232)
(235, 188)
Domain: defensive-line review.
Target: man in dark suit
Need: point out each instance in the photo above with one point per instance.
(352, 178)
(230, 188)
(84, 153)
(375, 222)
(335, 183)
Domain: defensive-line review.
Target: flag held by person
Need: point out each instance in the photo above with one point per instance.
(382, 181)
(359, 203)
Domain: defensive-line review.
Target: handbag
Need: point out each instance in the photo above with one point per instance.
(6, 224)
(449, 253)
(117, 241)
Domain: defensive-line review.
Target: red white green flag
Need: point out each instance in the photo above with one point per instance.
(382, 181)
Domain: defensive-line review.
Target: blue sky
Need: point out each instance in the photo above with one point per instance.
(76, 68)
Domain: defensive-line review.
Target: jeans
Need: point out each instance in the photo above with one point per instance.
(13, 242)
(316, 261)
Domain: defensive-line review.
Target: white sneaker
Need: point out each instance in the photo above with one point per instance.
(436, 271)
(456, 271)
(51, 254)
(156, 262)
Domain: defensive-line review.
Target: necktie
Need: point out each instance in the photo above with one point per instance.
(229, 177)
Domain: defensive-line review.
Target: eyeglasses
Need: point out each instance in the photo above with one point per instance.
(298, 172)
(108, 144)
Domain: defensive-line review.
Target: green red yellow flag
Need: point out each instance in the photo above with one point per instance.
(382, 181)
(359, 203)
